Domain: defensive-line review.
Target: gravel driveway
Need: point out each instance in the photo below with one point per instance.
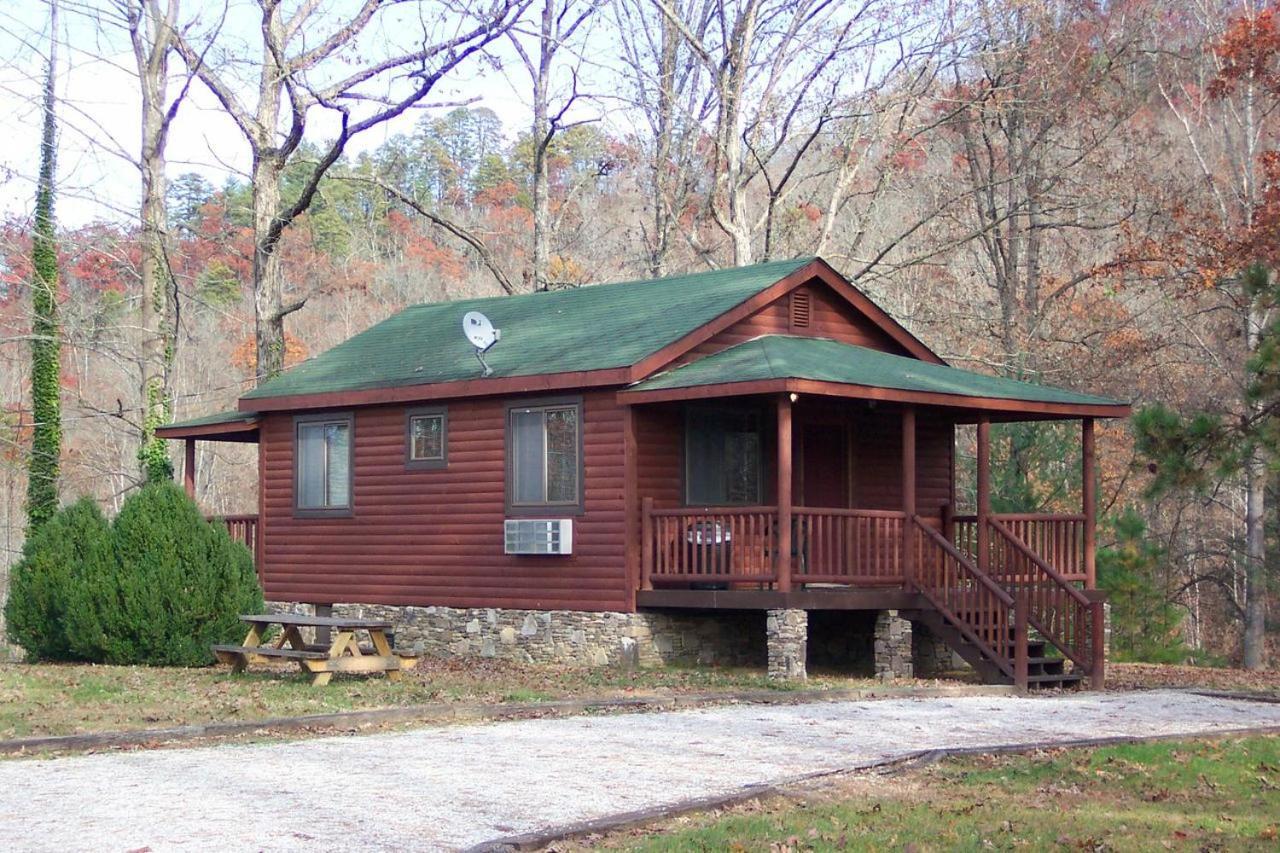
(451, 787)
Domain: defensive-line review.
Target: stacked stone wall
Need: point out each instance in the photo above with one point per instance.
(574, 637)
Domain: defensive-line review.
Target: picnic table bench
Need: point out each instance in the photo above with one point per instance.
(342, 654)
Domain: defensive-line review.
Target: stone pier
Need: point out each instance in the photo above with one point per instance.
(787, 636)
(892, 646)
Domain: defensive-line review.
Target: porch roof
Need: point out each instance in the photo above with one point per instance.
(781, 363)
(220, 426)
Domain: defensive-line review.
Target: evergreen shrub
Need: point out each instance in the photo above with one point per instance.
(166, 586)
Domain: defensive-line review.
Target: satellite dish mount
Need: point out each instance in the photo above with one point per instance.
(482, 335)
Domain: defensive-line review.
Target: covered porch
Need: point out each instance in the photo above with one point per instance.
(235, 427)
(836, 469)
(824, 525)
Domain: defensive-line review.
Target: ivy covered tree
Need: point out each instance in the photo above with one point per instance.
(46, 343)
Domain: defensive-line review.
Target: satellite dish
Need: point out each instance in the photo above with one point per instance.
(482, 335)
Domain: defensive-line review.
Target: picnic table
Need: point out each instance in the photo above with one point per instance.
(342, 654)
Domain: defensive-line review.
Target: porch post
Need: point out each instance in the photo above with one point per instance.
(908, 494)
(784, 493)
(1089, 501)
(189, 468)
(984, 488)
(646, 543)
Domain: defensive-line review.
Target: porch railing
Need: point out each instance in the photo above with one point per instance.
(847, 546)
(1057, 539)
(1055, 607)
(709, 546)
(731, 545)
(243, 529)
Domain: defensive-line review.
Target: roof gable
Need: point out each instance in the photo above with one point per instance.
(817, 269)
(813, 309)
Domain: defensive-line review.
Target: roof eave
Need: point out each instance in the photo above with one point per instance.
(493, 386)
(242, 431)
(1024, 409)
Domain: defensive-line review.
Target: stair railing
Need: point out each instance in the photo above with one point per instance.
(973, 603)
(1063, 614)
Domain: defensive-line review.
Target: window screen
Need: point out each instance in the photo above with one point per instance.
(543, 448)
(324, 465)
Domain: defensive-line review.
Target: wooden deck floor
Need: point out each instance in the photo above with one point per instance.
(764, 599)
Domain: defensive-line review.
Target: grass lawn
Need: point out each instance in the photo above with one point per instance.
(1195, 795)
(55, 699)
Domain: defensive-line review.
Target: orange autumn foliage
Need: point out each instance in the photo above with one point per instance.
(245, 355)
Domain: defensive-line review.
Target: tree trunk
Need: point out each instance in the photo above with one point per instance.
(1255, 475)
(541, 144)
(733, 218)
(733, 77)
(158, 336)
(268, 273)
(46, 343)
(665, 127)
(1255, 579)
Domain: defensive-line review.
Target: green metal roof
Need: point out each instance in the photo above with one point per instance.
(217, 419)
(590, 328)
(822, 360)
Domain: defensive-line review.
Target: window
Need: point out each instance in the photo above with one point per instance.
(722, 457)
(322, 460)
(544, 448)
(426, 437)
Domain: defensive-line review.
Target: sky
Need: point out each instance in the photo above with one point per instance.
(99, 106)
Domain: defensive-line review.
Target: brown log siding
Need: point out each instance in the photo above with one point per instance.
(435, 537)
(877, 455)
(877, 461)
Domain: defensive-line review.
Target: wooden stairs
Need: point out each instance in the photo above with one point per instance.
(1004, 608)
(1043, 670)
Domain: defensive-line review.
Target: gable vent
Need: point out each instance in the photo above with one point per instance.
(800, 308)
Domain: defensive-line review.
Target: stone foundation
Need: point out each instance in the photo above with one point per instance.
(930, 656)
(788, 641)
(575, 637)
(892, 646)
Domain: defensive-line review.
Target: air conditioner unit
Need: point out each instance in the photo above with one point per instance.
(538, 536)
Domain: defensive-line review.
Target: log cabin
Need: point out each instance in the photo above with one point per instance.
(717, 466)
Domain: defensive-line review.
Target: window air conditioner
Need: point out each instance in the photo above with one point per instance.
(538, 536)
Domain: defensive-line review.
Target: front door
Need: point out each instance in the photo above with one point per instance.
(825, 466)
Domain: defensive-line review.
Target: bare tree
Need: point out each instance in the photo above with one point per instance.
(152, 30)
(1219, 82)
(558, 22)
(666, 81)
(776, 69)
(300, 71)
